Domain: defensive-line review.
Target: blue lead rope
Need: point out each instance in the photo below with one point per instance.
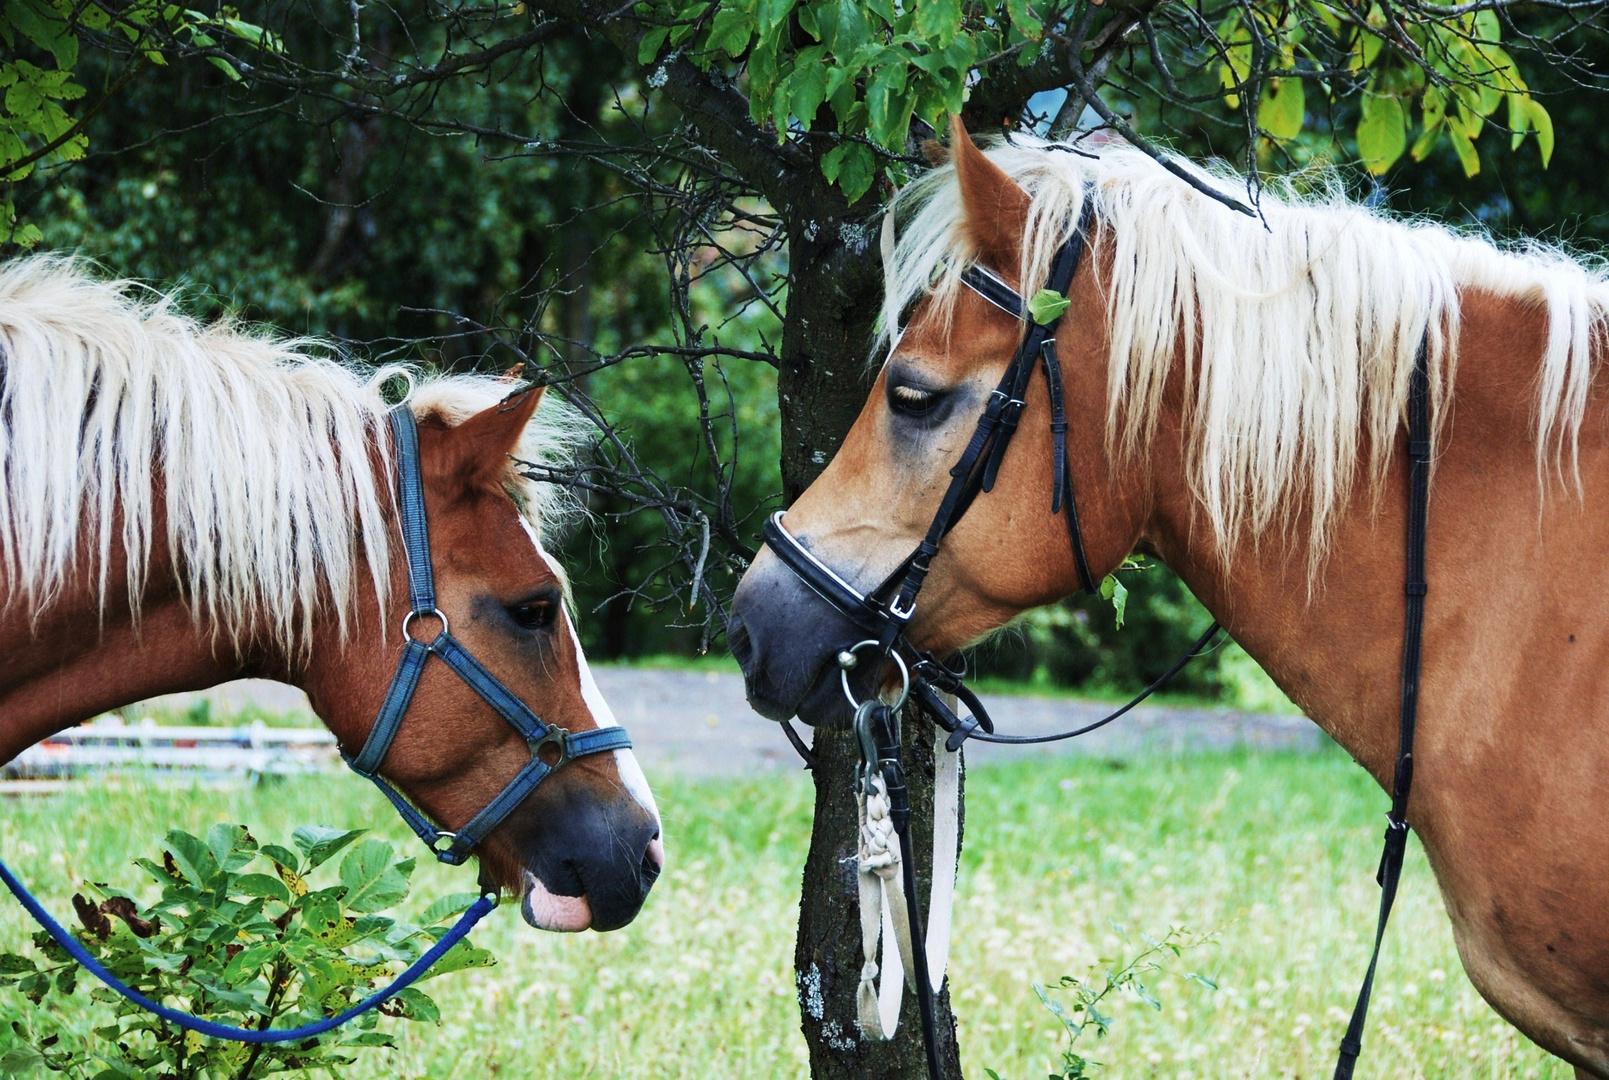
(466, 922)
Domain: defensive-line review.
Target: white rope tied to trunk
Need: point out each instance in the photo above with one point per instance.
(883, 916)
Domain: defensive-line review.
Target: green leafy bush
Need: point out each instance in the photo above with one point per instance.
(1083, 1013)
(248, 934)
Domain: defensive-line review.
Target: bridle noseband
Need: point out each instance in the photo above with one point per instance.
(456, 846)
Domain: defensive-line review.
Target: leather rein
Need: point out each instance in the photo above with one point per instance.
(886, 611)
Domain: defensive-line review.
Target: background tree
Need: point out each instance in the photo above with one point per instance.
(669, 207)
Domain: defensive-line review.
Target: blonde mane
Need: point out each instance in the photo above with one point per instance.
(262, 449)
(1298, 330)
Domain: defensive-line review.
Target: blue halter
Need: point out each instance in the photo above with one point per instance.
(455, 846)
(450, 847)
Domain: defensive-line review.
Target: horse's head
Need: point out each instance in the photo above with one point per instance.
(871, 507)
(584, 847)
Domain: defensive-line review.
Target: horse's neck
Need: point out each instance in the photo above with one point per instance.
(1336, 647)
(73, 661)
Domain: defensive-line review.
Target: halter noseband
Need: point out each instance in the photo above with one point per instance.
(456, 846)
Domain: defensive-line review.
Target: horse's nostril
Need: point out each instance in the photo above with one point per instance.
(653, 861)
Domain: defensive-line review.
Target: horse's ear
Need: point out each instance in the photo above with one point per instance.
(996, 206)
(475, 453)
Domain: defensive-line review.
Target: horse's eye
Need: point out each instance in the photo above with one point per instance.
(911, 400)
(535, 614)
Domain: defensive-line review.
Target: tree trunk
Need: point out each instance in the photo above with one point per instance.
(834, 290)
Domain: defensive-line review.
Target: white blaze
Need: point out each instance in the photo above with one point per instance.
(631, 774)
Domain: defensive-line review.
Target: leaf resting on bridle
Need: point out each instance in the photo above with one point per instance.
(1046, 306)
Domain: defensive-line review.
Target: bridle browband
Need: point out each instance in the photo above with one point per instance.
(454, 847)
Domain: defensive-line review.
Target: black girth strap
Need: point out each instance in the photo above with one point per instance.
(1396, 841)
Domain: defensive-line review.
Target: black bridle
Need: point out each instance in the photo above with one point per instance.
(884, 613)
(887, 610)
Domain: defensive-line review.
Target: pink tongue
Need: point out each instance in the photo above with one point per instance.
(548, 911)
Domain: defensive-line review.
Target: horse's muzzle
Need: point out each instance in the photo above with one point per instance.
(787, 640)
(594, 865)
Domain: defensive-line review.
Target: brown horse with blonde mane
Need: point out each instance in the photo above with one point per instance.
(1237, 391)
(182, 505)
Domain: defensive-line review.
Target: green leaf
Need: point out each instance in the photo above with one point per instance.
(1465, 149)
(1382, 132)
(248, 962)
(12, 964)
(462, 956)
(1281, 110)
(319, 843)
(413, 1004)
(46, 29)
(232, 846)
(939, 20)
(808, 84)
(887, 110)
(192, 857)
(1119, 596)
(281, 856)
(1024, 19)
(648, 48)
(323, 919)
(263, 885)
(1543, 125)
(448, 906)
(1045, 306)
(20, 1059)
(806, 16)
(731, 30)
(23, 99)
(771, 14)
(373, 878)
(847, 30)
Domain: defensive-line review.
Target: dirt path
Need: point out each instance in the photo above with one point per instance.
(697, 723)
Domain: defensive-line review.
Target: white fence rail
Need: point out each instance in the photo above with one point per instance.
(112, 745)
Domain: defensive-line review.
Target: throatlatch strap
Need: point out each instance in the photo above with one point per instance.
(1415, 588)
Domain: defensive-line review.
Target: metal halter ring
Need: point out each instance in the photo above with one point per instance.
(433, 613)
(555, 736)
(848, 661)
(436, 844)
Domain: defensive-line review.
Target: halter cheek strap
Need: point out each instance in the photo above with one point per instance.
(454, 847)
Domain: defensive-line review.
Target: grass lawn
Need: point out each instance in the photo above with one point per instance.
(1275, 853)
